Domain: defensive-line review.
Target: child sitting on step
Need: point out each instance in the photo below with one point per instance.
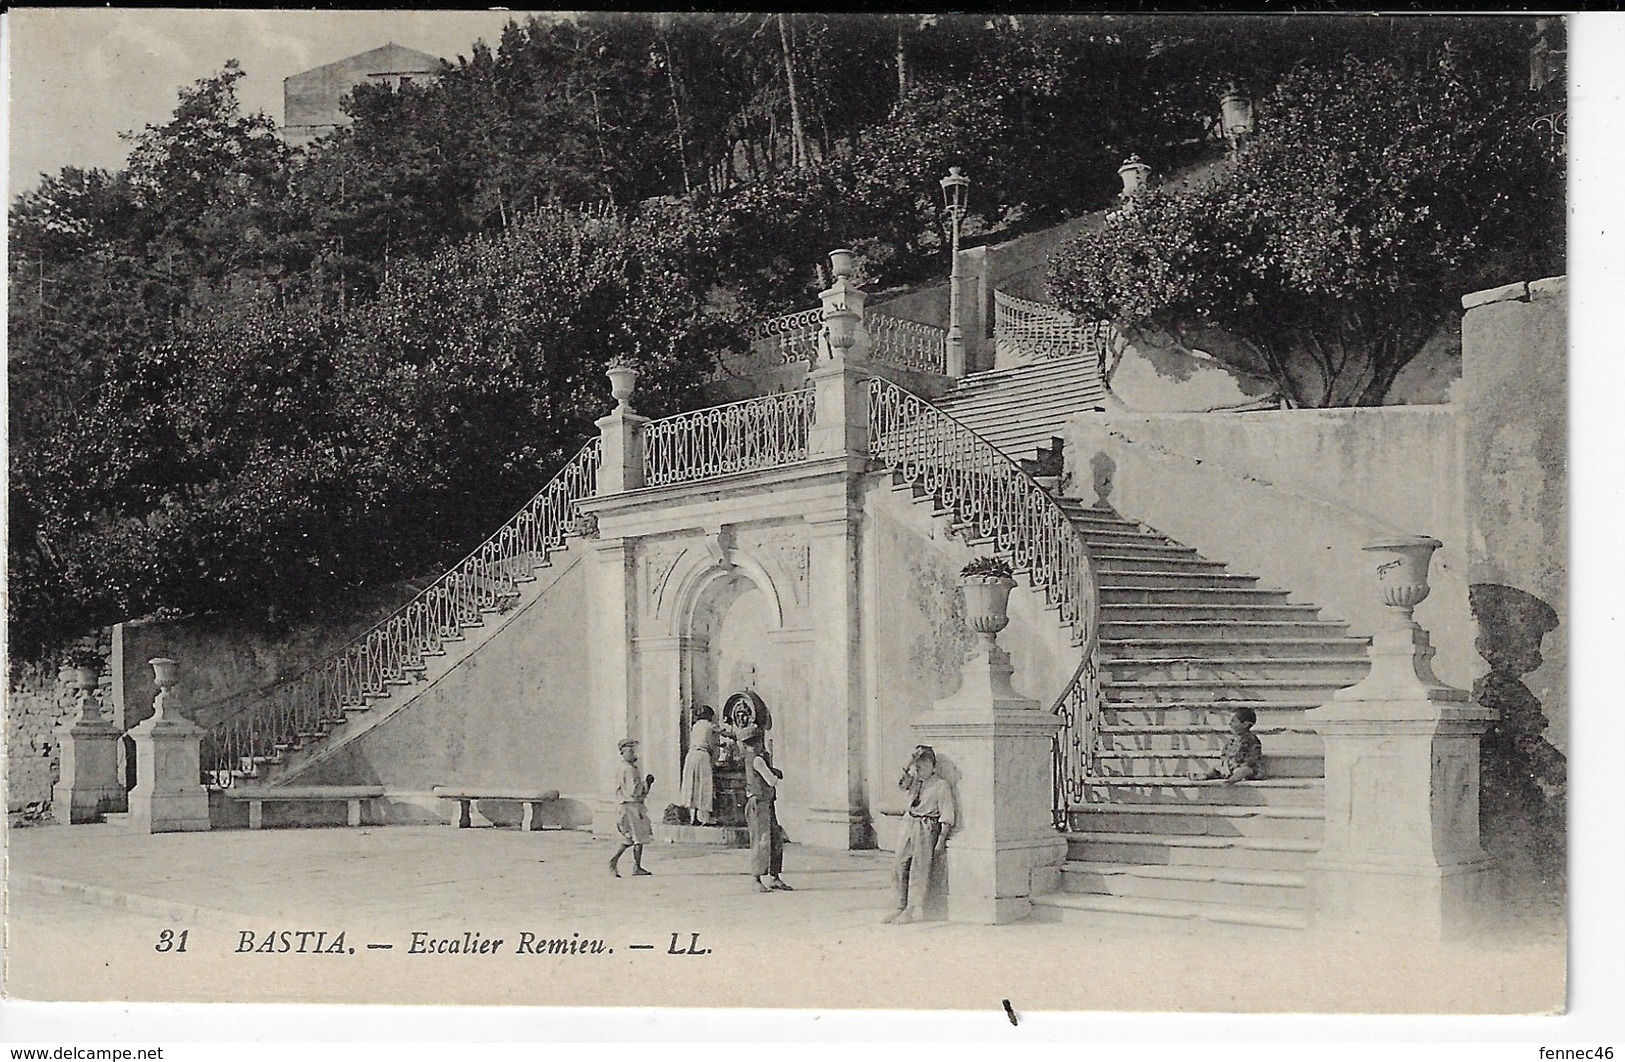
(1242, 759)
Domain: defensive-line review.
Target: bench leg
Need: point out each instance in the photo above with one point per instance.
(256, 814)
(354, 812)
(464, 815)
(530, 816)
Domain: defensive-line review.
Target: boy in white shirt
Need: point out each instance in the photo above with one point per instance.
(636, 829)
(926, 824)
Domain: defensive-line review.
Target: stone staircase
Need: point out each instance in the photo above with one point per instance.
(1024, 409)
(1183, 643)
(301, 751)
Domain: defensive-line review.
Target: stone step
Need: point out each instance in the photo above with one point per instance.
(1022, 407)
(1271, 792)
(1203, 820)
(1207, 611)
(1115, 560)
(1235, 647)
(1256, 853)
(1283, 889)
(1071, 368)
(1307, 763)
(1123, 541)
(1139, 912)
(1273, 716)
(1132, 692)
(1143, 547)
(1108, 525)
(1140, 593)
(1157, 576)
(1212, 632)
(1206, 740)
(1335, 672)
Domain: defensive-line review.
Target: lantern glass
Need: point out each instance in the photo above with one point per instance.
(954, 190)
(1237, 114)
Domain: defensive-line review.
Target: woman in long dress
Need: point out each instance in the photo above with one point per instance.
(699, 793)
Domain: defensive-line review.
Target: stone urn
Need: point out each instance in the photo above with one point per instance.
(165, 674)
(987, 589)
(86, 679)
(841, 263)
(623, 381)
(1134, 173)
(1404, 580)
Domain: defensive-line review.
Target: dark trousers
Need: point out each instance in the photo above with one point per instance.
(766, 840)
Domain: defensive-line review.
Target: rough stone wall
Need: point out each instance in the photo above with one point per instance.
(220, 657)
(1514, 396)
(37, 702)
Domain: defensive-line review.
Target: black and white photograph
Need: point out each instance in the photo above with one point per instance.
(806, 510)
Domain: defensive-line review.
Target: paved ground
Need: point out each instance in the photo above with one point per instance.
(88, 907)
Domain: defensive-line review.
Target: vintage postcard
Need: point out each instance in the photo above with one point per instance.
(997, 512)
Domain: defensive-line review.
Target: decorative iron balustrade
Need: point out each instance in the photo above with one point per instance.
(1027, 330)
(1078, 707)
(291, 713)
(797, 337)
(908, 344)
(989, 496)
(757, 433)
(1553, 129)
(794, 337)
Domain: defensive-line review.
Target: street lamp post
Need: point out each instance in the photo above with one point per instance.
(1235, 119)
(954, 187)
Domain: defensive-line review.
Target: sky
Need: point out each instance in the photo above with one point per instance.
(81, 76)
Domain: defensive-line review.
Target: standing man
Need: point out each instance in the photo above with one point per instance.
(636, 830)
(761, 789)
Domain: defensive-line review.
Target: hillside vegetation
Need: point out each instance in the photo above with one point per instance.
(248, 378)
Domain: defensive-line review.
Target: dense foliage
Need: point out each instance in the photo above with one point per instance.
(275, 455)
(248, 376)
(1377, 191)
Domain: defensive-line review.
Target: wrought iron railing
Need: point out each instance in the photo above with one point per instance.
(257, 728)
(1078, 707)
(909, 344)
(989, 496)
(1024, 331)
(757, 433)
(793, 337)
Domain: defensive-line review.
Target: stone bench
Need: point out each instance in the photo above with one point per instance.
(353, 796)
(467, 795)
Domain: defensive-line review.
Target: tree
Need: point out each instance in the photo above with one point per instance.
(272, 458)
(211, 186)
(1375, 194)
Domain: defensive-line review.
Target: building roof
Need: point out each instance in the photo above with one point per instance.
(390, 58)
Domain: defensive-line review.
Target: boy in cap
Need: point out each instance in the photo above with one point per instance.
(926, 825)
(636, 830)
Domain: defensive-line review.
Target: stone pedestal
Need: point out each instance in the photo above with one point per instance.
(1401, 855)
(89, 785)
(840, 402)
(168, 796)
(621, 436)
(995, 747)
